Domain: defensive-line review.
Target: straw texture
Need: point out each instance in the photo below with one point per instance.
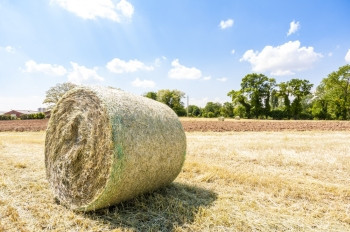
(104, 146)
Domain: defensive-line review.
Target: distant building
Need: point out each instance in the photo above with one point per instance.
(42, 110)
(18, 113)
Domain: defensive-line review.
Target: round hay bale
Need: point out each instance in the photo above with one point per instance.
(104, 146)
(237, 118)
(221, 118)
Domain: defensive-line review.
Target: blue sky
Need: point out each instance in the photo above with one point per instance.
(203, 48)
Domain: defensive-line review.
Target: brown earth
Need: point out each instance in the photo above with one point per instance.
(23, 125)
(266, 125)
(210, 125)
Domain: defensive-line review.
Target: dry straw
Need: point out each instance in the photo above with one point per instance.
(104, 146)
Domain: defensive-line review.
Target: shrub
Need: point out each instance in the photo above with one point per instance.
(33, 116)
(6, 117)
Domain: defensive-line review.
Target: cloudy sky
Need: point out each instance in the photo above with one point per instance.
(203, 48)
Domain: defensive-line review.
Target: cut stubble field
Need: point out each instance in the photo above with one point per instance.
(231, 181)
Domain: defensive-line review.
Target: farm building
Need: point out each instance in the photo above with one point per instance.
(18, 113)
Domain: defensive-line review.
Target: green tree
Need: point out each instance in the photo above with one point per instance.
(194, 111)
(238, 99)
(255, 94)
(320, 103)
(299, 89)
(227, 110)
(274, 99)
(56, 92)
(336, 92)
(284, 92)
(212, 109)
(172, 98)
(151, 95)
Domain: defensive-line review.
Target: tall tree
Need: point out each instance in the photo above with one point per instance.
(172, 98)
(299, 89)
(56, 92)
(284, 92)
(194, 111)
(212, 109)
(320, 105)
(227, 109)
(238, 99)
(257, 88)
(337, 92)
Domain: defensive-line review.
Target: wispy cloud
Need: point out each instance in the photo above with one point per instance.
(50, 69)
(294, 27)
(222, 79)
(9, 49)
(226, 24)
(92, 9)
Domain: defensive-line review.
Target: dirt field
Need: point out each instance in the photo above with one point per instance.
(265, 125)
(191, 125)
(23, 125)
(231, 181)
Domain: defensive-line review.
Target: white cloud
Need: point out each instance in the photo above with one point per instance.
(92, 9)
(120, 66)
(223, 79)
(49, 69)
(182, 72)
(347, 56)
(126, 8)
(285, 59)
(226, 24)
(233, 51)
(207, 78)
(294, 26)
(330, 54)
(81, 73)
(143, 83)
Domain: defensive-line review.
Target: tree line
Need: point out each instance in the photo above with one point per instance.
(262, 97)
(259, 97)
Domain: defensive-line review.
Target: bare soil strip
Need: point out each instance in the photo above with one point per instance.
(210, 125)
(262, 125)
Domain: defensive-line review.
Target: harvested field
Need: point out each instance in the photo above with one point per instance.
(231, 181)
(191, 125)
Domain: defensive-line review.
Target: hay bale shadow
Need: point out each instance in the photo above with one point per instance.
(161, 210)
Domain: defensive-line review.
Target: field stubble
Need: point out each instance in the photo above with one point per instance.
(232, 181)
